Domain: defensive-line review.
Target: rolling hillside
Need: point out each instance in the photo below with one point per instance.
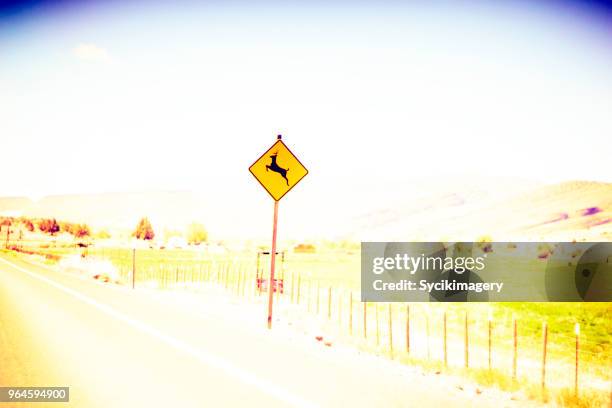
(566, 211)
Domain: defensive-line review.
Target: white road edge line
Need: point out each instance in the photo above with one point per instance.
(204, 357)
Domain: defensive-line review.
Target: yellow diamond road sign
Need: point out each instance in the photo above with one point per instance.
(278, 170)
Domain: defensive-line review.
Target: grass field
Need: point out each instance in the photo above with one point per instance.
(311, 278)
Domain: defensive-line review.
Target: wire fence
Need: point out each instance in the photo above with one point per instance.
(450, 335)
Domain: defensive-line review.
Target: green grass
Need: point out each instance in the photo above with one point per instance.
(586, 399)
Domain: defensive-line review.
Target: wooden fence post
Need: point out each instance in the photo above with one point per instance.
(340, 309)
(351, 313)
(391, 330)
(292, 287)
(365, 320)
(377, 325)
(544, 347)
(299, 286)
(490, 322)
(408, 329)
(445, 354)
(514, 346)
(467, 342)
(427, 335)
(577, 332)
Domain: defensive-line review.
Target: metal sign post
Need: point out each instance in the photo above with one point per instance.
(271, 283)
(278, 170)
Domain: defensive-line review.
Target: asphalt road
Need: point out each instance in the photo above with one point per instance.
(115, 347)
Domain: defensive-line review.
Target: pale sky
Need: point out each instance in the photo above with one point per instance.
(134, 96)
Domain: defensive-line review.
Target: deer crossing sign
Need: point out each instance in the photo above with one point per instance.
(278, 170)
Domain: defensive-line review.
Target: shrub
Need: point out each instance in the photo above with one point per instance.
(144, 230)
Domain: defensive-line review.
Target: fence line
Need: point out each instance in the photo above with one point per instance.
(425, 336)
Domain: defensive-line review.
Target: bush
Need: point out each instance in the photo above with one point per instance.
(81, 230)
(196, 233)
(144, 230)
(49, 226)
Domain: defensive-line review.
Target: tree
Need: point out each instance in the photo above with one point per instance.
(485, 243)
(81, 230)
(28, 225)
(49, 226)
(66, 227)
(196, 233)
(6, 222)
(144, 229)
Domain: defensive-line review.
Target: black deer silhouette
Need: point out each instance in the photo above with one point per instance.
(277, 169)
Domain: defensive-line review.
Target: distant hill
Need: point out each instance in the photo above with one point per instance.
(566, 211)
(571, 210)
(449, 211)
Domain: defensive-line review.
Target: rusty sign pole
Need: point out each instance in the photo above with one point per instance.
(272, 265)
(271, 283)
